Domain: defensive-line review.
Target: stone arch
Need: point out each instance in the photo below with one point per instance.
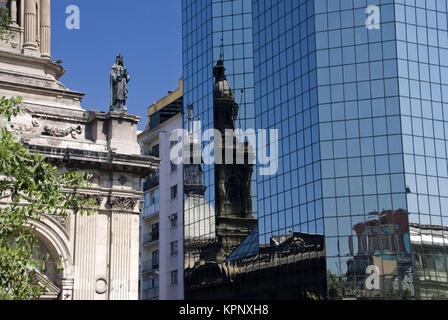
(56, 240)
(53, 239)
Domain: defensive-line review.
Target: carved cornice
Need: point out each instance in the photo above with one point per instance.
(49, 66)
(29, 80)
(86, 159)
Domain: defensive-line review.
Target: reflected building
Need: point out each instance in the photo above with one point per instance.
(232, 217)
(291, 266)
(430, 260)
(383, 242)
(199, 214)
(220, 205)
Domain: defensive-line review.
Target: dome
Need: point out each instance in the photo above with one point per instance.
(222, 88)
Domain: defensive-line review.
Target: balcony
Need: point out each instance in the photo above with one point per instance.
(150, 294)
(151, 238)
(151, 211)
(151, 183)
(150, 266)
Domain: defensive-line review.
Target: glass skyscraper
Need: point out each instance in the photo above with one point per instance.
(213, 30)
(358, 90)
(362, 111)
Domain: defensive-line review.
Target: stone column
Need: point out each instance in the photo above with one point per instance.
(14, 12)
(30, 26)
(45, 29)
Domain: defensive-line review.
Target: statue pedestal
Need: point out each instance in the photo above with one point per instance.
(118, 129)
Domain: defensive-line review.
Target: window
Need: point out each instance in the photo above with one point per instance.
(154, 283)
(155, 232)
(173, 167)
(155, 151)
(151, 181)
(173, 277)
(174, 248)
(174, 192)
(151, 283)
(154, 197)
(155, 259)
(173, 221)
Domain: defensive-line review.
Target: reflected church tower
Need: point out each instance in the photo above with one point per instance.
(193, 173)
(234, 220)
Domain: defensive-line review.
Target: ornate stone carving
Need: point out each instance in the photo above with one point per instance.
(123, 180)
(141, 205)
(21, 128)
(122, 203)
(57, 132)
(62, 221)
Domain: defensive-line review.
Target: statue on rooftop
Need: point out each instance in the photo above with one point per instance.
(119, 78)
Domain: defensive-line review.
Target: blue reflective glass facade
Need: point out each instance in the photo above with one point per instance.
(422, 58)
(214, 30)
(363, 153)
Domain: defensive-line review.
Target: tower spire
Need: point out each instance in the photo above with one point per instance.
(221, 55)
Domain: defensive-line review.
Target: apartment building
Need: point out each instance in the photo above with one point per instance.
(161, 231)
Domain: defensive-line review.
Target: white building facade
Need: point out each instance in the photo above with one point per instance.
(161, 227)
(100, 252)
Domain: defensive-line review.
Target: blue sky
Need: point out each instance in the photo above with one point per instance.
(147, 33)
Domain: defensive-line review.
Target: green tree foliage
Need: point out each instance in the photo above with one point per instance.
(312, 296)
(337, 287)
(30, 188)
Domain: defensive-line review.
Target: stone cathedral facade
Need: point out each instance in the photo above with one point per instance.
(100, 252)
